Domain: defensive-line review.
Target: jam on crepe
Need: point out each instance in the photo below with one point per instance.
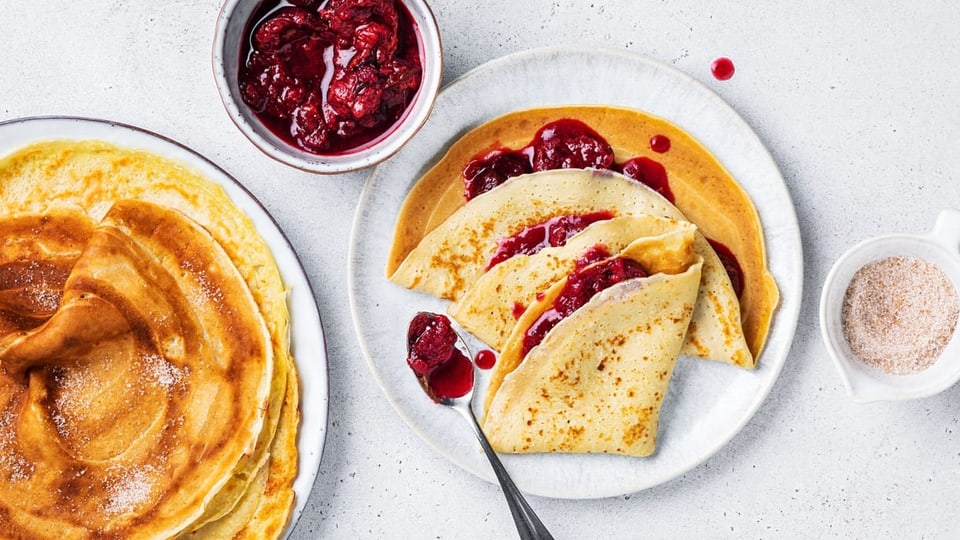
(562, 144)
(581, 286)
(330, 77)
(553, 232)
(432, 354)
(570, 143)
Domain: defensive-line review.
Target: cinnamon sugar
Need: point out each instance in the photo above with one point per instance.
(899, 313)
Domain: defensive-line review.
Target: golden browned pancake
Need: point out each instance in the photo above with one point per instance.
(705, 192)
(87, 177)
(596, 382)
(490, 307)
(452, 257)
(140, 394)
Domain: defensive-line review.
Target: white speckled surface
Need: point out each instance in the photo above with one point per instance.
(857, 102)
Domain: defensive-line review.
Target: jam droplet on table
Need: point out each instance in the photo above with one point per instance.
(722, 68)
(551, 233)
(581, 286)
(730, 264)
(485, 359)
(660, 144)
(433, 356)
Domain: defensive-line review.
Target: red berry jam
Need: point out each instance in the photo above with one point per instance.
(432, 354)
(562, 144)
(492, 169)
(581, 286)
(569, 144)
(722, 69)
(650, 173)
(551, 233)
(485, 359)
(730, 264)
(330, 77)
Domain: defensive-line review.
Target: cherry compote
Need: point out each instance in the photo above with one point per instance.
(330, 77)
(432, 353)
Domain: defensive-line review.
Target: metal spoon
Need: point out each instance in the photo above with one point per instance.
(528, 524)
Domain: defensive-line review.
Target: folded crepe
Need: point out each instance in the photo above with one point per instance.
(133, 403)
(596, 381)
(490, 308)
(704, 192)
(453, 257)
(88, 177)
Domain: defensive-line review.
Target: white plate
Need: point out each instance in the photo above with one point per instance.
(708, 402)
(306, 331)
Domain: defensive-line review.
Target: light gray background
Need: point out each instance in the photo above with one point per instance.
(857, 102)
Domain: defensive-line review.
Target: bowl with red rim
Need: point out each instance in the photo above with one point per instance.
(327, 86)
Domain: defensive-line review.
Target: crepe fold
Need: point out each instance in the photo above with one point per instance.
(453, 257)
(596, 381)
(704, 191)
(147, 387)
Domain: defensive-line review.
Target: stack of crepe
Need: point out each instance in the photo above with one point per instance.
(146, 384)
(596, 381)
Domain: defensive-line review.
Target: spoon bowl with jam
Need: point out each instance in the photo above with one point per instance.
(440, 360)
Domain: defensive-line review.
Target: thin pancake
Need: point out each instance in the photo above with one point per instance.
(704, 190)
(88, 176)
(140, 394)
(489, 309)
(596, 382)
(454, 255)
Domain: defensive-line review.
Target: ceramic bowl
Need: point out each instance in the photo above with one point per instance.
(940, 246)
(232, 25)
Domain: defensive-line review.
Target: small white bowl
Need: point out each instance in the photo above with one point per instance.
(865, 383)
(232, 25)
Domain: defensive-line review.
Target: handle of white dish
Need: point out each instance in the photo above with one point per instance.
(947, 229)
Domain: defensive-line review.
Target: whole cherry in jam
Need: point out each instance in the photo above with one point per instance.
(569, 144)
(580, 287)
(330, 77)
(432, 353)
(492, 169)
(551, 233)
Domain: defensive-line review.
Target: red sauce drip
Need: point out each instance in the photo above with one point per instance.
(660, 143)
(453, 379)
(551, 233)
(722, 69)
(730, 264)
(433, 356)
(485, 359)
(330, 77)
(489, 170)
(651, 173)
(581, 286)
(518, 309)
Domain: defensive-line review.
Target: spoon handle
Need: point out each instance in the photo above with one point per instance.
(528, 524)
